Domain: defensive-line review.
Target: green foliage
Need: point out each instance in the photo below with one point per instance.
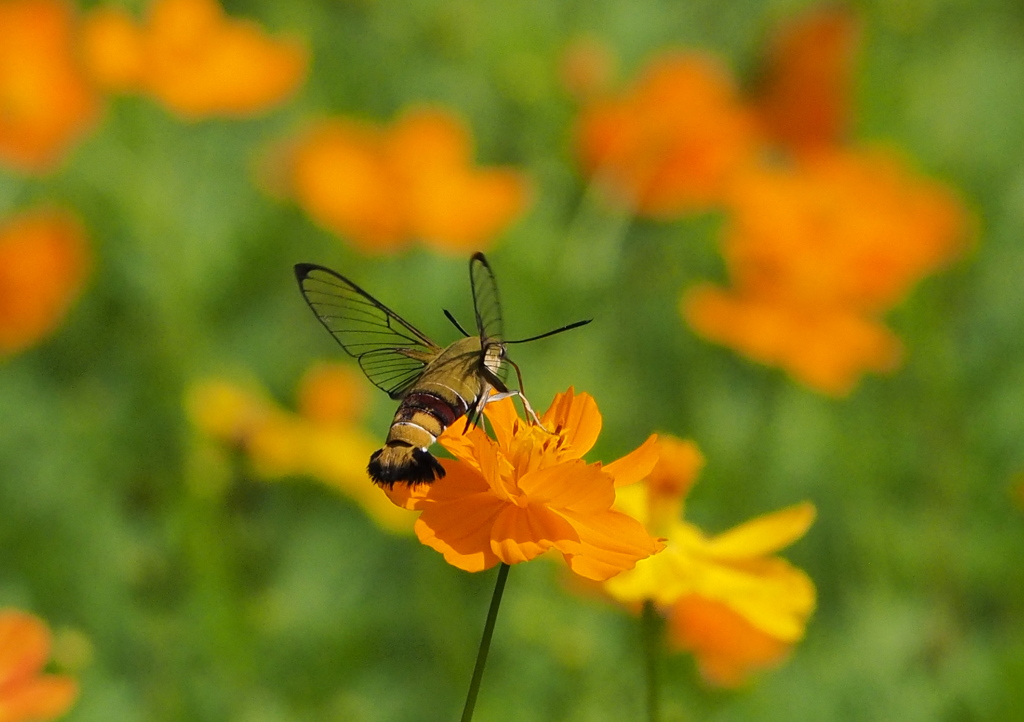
(207, 595)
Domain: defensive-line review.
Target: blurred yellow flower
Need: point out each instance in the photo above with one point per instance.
(192, 57)
(729, 602)
(322, 441)
(382, 188)
(529, 491)
(26, 695)
(45, 101)
(816, 253)
(670, 144)
(44, 260)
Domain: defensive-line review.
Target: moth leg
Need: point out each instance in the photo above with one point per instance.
(526, 404)
(474, 414)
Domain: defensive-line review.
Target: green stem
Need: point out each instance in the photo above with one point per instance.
(485, 643)
(592, 249)
(651, 629)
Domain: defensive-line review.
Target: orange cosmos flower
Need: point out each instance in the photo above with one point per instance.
(45, 102)
(528, 491)
(322, 441)
(855, 228)
(804, 97)
(26, 695)
(193, 58)
(670, 144)
(383, 188)
(729, 602)
(44, 260)
(825, 348)
(817, 252)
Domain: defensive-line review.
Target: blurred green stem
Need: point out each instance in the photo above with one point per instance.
(485, 643)
(651, 625)
(593, 242)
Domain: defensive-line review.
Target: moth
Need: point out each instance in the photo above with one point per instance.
(435, 385)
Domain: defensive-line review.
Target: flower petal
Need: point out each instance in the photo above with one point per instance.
(770, 593)
(460, 480)
(610, 542)
(42, 698)
(727, 647)
(504, 420)
(574, 484)
(576, 419)
(24, 646)
(524, 533)
(635, 465)
(464, 444)
(461, 530)
(763, 535)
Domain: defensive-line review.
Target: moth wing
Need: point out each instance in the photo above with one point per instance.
(390, 350)
(486, 302)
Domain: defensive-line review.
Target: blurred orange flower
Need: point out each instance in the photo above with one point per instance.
(323, 440)
(825, 348)
(384, 188)
(529, 491)
(804, 96)
(817, 252)
(26, 695)
(729, 602)
(192, 57)
(670, 144)
(45, 101)
(44, 261)
(855, 228)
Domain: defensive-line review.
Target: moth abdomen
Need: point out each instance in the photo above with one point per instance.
(397, 462)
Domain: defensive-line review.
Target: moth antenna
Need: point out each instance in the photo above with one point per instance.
(450, 317)
(570, 327)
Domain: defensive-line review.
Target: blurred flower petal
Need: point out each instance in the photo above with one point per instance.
(383, 188)
(754, 603)
(325, 443)
(195, 59)
(44, 260)
(25, 694)
(46, 104)
(727, 647)
(826, 348)
(804, 98)
(669, 144)
(765, 535)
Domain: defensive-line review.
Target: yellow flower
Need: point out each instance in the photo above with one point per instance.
(25, 694)
(528, 491)
(729, 601)
(322, 441)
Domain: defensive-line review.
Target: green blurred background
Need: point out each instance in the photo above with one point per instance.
(273, 602)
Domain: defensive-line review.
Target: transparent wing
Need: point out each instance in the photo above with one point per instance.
(485, 300)
(391, 352)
